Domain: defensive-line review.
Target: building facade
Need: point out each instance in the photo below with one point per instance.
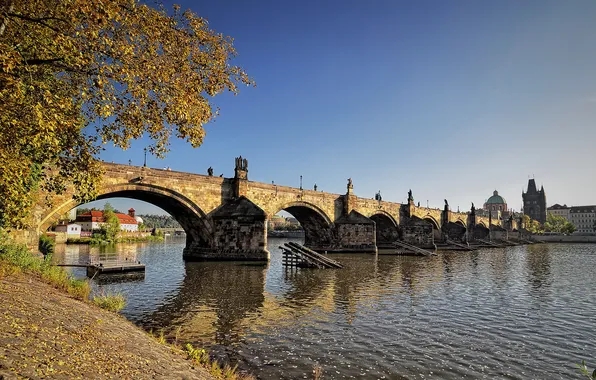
(558, 210)
(70, 229)
(496, 206)
(93, 220)
(535, 202)
(583, 218)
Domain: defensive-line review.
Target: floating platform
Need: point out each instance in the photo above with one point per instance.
(118, 267)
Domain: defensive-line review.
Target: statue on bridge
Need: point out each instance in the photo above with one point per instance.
(241, 169)
(410, 196)
(241, 163)
(378, 196)
(350, 186)
(210, 171)
(473, 209)
(315, 187)
(446, 204)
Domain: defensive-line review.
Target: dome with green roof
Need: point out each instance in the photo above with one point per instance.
(496, 199)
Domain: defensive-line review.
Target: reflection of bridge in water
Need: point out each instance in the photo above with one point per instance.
(225, 218)
(219, 302)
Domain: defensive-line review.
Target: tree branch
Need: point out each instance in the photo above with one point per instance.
(37, 20)
(42, 61)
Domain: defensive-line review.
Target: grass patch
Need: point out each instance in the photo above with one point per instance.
(201, 357)
(16, 258)
(111, 302)
(83, 240)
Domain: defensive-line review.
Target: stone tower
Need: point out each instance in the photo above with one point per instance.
(535, 202)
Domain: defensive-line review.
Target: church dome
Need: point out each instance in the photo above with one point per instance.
(139, 219)
(496, 199)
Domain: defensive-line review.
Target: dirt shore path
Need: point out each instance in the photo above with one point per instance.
(46, 334)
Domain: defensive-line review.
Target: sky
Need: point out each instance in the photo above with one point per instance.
(452, 99)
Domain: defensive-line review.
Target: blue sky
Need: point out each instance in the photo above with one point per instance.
(452, 99)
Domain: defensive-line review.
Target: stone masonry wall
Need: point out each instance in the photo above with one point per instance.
(420, 235)
(356, 237)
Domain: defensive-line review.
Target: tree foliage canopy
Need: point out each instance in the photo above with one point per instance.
(111, 226)
(76, 74)
(532, 226)
(559, 224)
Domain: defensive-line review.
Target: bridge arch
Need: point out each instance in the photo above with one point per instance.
(436, 226)
(318, 227)
(456, 230)
(190, 216)
(481, 231)
(387, 229)
(461, 222)
(429, 218)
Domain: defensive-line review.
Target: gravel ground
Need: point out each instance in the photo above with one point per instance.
(46, 334)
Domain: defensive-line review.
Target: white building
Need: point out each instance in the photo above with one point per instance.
(71, 229)
(583, 218)
(93, 220)
(559, 210)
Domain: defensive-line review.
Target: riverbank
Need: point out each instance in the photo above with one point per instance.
(44, 332)
(564, 238)
(286, 234)
(127, 239)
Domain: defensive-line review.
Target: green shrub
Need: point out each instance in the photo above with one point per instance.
(46, 245)
(111, 302)
(199, 355)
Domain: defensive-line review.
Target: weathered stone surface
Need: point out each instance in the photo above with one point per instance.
(239, 233)
(419, 233)
(455, 231)
(355, 232)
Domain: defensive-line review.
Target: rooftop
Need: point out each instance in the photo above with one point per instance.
(496, 199)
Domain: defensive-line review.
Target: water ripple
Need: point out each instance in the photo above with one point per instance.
(512, 313)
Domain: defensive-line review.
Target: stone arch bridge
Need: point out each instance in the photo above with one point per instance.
(225, 218)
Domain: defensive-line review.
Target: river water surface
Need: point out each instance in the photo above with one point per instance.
(526, 312)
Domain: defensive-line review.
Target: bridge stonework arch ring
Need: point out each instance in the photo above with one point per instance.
(190, 216)
(318, 227)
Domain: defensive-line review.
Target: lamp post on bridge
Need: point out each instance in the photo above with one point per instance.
(300, 182)
(145, 161)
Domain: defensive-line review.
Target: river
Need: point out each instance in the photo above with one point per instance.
(524, 312)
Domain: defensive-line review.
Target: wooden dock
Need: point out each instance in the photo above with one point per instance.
(297, 255)
(114, 267)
